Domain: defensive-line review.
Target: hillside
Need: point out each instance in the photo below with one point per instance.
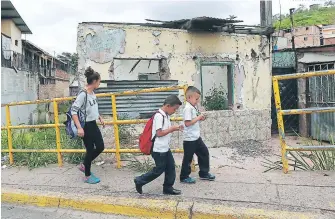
(304, 17)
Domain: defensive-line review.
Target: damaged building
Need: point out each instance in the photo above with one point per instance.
(205, 52)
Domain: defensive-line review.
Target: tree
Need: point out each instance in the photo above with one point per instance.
(329, 3)
(301, 8)
(322, 15)
(71, 58)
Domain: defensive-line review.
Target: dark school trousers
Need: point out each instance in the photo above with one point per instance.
(199, 148)
(164, 164)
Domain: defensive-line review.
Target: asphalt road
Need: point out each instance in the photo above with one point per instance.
(9, 211)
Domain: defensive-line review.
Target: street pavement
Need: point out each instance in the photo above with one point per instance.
(296, 191)
(10, 211)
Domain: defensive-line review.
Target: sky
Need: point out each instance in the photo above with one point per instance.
(54, 22)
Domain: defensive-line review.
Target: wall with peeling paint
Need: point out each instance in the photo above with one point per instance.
(100, 43)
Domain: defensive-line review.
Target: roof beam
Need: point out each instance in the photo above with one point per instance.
(10, 17)
(8, 9)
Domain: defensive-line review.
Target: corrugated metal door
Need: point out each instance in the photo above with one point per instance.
(322, 94)
(134, 106)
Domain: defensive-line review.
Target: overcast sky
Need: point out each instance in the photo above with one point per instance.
(54, 22)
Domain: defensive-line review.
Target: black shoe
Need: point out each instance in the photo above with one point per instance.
(138, 187)
(209, 177)
(171, 191)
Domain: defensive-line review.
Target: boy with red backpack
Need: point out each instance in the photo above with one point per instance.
(156, 139)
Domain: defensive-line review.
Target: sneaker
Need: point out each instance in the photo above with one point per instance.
(92, 180)
(82, 169)
(188, 180)
(171, 191)
(138, 187)
(209, 177)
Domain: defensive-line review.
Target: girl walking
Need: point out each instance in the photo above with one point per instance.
(86, 101)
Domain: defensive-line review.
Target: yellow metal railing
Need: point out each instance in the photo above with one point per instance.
(115, 122)
(284, 147)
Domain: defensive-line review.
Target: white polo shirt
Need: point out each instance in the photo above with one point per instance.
(161, 144)
(191, 133)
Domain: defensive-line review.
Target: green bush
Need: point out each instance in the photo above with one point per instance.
(217, 100)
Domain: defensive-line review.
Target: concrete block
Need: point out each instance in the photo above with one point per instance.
(232, 124)
(234, 135)
(225, 113)
(243, 134)
(261, 134)
(223, 138)
(211, 114)
(241, 112)
(211, 140)
(252, 122)
(210, 125)
(251, 134)
(223, 124)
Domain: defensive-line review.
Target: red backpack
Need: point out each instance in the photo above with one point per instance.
(146, 141)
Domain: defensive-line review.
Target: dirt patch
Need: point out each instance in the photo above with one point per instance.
(250, 148)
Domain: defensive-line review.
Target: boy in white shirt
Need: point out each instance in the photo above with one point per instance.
(161, 153)
(193, 143)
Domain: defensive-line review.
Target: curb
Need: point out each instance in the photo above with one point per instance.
(142, 207)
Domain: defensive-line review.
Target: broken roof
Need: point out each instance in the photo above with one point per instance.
(37, 49)
(198, 23)
(205, 24)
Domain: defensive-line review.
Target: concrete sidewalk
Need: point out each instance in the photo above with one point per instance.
(312, 192)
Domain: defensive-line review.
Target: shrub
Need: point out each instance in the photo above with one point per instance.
(217, 100)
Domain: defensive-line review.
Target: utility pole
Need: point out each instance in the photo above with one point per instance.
(301, 82)
(293, 42)
(266, 13)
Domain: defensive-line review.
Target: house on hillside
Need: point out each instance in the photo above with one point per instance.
(328, 33)
(304, 36)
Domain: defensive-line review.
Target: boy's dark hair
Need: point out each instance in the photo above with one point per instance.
(192, 89)
(172, 100)
(91, 75)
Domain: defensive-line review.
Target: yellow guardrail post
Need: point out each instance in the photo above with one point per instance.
(116, 132)
(9, 133)
(280, 124)
(59, 155)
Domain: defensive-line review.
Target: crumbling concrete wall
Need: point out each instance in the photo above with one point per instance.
(98, 45)
(181, 54)
(221, 128)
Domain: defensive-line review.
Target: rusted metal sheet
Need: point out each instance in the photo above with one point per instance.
(322, 94)
(132, 106)
(283, 60)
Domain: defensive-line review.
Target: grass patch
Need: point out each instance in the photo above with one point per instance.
(40, 139)
(311, 160)
(138, 166)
